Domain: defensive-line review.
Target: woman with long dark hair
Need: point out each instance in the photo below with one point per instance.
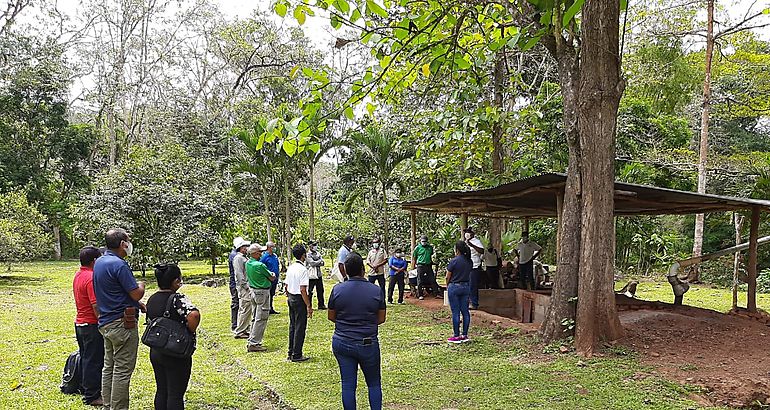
(172, 374)
(458, 274)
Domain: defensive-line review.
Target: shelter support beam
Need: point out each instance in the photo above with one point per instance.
(413, 237)
(463, 223)
(751, 303)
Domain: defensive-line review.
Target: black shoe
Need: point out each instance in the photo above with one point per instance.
(300, 359)
(273, 312)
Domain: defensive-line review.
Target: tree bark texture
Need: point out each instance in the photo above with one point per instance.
(57, 242)
(495, 229)
(738, 221)
(600, 90)
(312, 201)
(751, 269)
(266, 212)
(697, 247)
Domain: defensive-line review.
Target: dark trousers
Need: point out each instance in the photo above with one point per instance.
(319, 285)
(426, 279)
(458, 302)
(172, 375)
(233, 307)
(397, 279)
(297, 325)
(273, 287)
(380, 279)
(91, 346)
(493, 277)
(350, 355)
(476, 276)
(526, 276)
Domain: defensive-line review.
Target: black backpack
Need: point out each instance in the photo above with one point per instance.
(168, 336)
(72, 376)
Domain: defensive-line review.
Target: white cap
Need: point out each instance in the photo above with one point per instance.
(236, 241)
(255, 247)
(241, 243)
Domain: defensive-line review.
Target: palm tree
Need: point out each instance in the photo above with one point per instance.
(374, 155)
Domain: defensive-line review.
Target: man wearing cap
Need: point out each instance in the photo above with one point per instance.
(260, 280)
(270, 259)
(234, 298)
(527, 252)
(376, 260)
(348, 243)
(477, 253)
(245, 308)
(316, 280)
(422, 260)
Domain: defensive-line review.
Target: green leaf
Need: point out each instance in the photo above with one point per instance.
(462, 62)
(314, 147)
(293, 72)
(280, 9)
(299, 14)
(290, 147)
(343, 6)
(766, 11)
(334, 20)
(426, 70)
(370, 109)
(349, 113)
(373, 7)
(365, 39)
(530, 43)
(571, 12)
(355, 16)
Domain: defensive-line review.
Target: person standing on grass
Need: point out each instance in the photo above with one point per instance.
(300, 309)
(245, 309)
(398, 266)
(234, 298)
(527, 251)
(90, 341)
(314, 262)
(477, 251)
(376, 260)
(348, 243)
(172, 374)
(422, 260)
(117, 298)
(458, 274)
(260, 280)
(357, 308)
(270, 259)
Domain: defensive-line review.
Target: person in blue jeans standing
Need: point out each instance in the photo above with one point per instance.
(458, 274)
(357, 308)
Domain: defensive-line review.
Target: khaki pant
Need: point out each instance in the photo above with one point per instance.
(245, 310)
(120, 347)
(260, 298)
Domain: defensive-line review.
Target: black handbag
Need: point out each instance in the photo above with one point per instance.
(170, 337)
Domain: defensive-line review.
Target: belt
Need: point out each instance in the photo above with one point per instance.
(258, 288)
(424, 264)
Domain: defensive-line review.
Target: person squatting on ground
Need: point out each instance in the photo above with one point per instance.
(117, 298)
(477, 275)
(458, 274)
(270, 259)
(90, 341)
(398, 266)
(172, 374)
(300, 309)
(260, 280)
(245, 307)
(422, 260)
(234, 298)
(314, 262)
(357, 308)
(376, 261)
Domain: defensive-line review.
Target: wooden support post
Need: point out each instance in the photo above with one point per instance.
(413, 238)
(463, 224)
(751, 303)
(525, 222)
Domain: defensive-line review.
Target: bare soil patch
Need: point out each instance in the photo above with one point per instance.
(728, 356)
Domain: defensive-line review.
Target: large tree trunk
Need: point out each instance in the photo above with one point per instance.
(560, 315)
(495, 231)
(312, 201)
(697, 247)
(385, 222)
(738, 221)
(287, 214)
(57, 242)
(266, 213)
(600, 90)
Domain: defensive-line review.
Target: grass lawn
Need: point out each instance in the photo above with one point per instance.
(704, 296)
(500, 369)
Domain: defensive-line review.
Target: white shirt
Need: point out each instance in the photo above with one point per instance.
(475, 255)
(296, 276)
(239, 267)
(526, 251)
(490, 258)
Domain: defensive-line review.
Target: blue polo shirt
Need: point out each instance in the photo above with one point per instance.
(271, 261)
(356, 303)
(113, 280)
(460, 266)
(395, 262)
(230, 267)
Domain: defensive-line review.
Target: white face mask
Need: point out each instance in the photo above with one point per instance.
(424, 243)
(376, 245)
(313, 248)
(129, 248)
(468, 235)
(399, 255)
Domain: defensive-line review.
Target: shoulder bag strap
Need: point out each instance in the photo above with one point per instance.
(169, 305)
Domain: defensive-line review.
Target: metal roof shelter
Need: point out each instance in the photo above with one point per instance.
(537, 197)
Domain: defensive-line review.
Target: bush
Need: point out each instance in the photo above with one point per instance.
(22, 233)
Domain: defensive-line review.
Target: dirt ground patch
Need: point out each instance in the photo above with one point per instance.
(727, 356)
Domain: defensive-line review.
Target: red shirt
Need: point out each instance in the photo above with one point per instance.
(83, 288)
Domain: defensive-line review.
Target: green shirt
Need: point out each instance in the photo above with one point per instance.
(259, 276)
(423, 254)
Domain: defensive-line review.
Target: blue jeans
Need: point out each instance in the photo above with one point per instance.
(475, 276)
(458, 301)
(350, 355)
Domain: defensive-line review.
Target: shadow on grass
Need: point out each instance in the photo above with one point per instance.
(19, 281)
